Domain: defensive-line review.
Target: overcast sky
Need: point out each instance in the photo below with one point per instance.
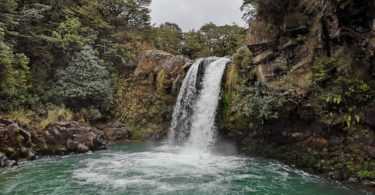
(192, 14)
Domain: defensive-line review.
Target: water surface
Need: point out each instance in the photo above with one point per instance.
(149, 169)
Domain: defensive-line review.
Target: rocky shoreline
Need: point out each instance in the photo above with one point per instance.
(20, 142)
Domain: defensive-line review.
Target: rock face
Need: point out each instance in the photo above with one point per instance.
(145, 105)
(312, 100)
(20, 142)
(153, 61)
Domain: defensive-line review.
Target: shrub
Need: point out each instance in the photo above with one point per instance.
(242, 59)
(161, 81)
(85, 82)
(55, 115)
(321, 69)
(20, 115)
(67, 34)
(258, 103)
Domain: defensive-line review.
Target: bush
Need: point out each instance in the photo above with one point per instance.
(20, 115)
(258, 103)
(56, 114)
(85, 82)
(242, 60)
(322, 68)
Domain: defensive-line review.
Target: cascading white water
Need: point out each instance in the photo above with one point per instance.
(194, 113)
(185, 99)
(203, 130)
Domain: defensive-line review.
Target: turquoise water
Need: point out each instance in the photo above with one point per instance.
(150, 169)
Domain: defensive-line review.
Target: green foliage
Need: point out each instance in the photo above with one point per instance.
(353, 86)
(301, 38)
(269, 10)
(50, 32)
(161, 81)
(258, 103)
(321, 69)
(168, 37)
(335, 98)
(209, 40)
(14, 71)
(55, 114)
(85, 82)
(20, 115)
(232, 77)
(242, 60)
(67, 34)
(131, 13)
(366, 174)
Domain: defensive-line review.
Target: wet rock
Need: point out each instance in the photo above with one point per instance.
(152, 61)
(74, 137)
(23, 152)
(3, 160)
(82, 148)
(71, 145)
(368, 117)
(31, 156)
(13, 128)
(353, 180)
(66, 124)
(371, 151)
(261, 47)
(263, 57)
(116, 133)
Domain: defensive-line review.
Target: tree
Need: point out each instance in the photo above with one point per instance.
(67, 34)
(14, 70)
(131, 13)
(168, 37)
(85, 82)
(219, 40)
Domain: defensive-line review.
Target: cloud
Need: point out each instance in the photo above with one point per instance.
(192, 14)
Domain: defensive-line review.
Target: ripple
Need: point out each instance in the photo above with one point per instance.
(162, 170)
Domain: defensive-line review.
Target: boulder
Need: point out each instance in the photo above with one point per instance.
(71, 145)
(151, 61)
(73, 137)
(82, 148)
(368, 118)
(3, 160)
(116, 133)
(371, 151)
(24, 152)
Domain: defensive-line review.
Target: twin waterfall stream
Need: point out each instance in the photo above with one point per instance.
(190, 162)
(194, 115)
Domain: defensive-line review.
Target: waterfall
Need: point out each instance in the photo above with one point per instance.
(194, 114)
(181, 114)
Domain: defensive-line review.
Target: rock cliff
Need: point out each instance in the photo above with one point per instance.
(146, 100)
(307, 97)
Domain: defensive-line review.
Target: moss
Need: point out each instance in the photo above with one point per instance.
(232, 77)
(161, 81)
(242, 61)
(322, 67)
(366, 174)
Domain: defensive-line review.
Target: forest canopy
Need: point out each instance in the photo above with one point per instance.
(40, 42)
